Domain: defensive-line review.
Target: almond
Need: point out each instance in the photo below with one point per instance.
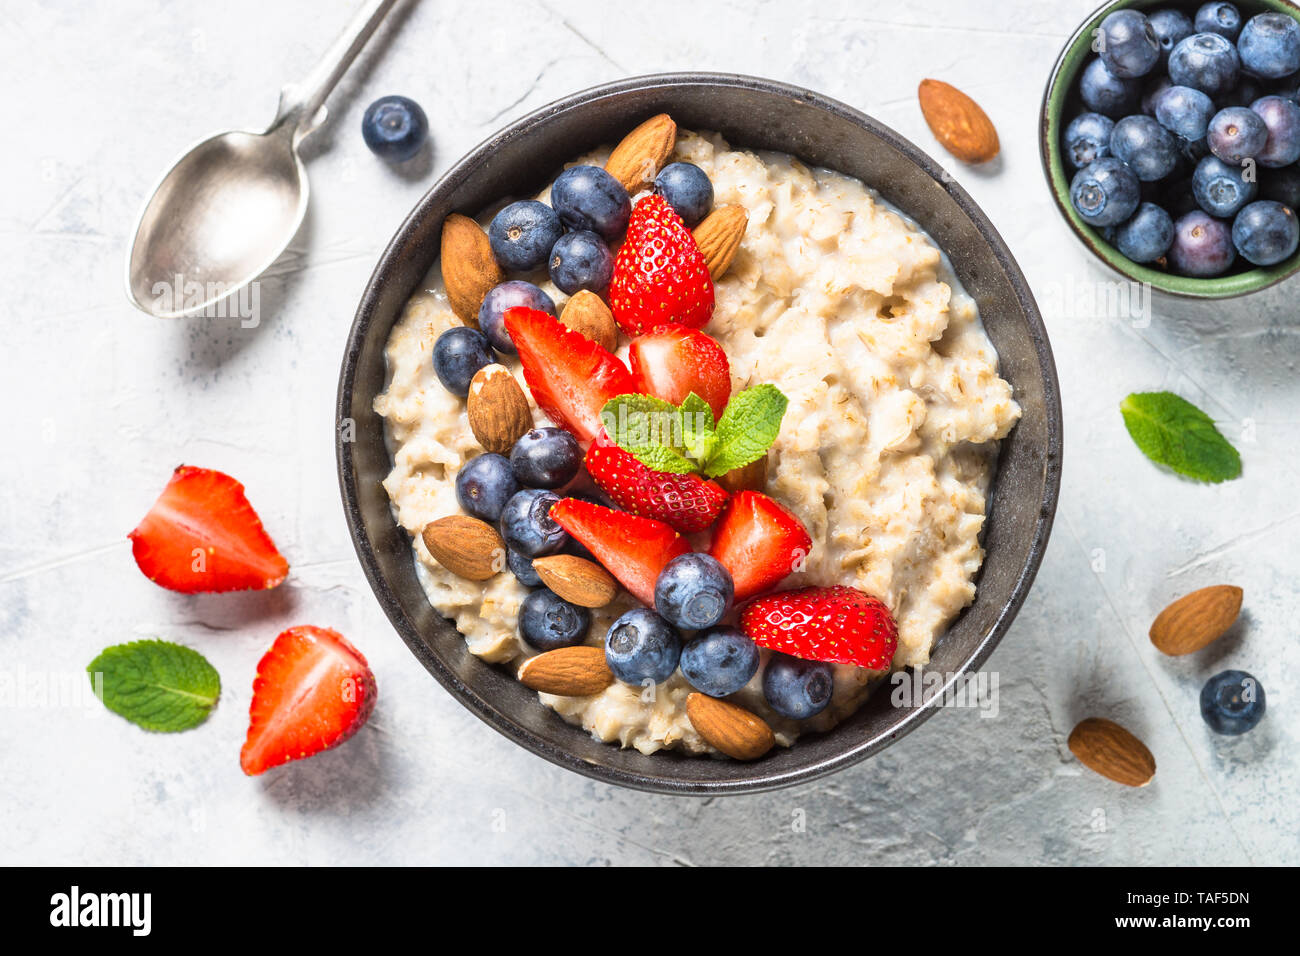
(465, 546)
(587, 314)
(731, 729)
(469, 270)
(568, 672)
(719, 235)
(498, 410)
(752, 477)
(958, 123)
(635, 162)
(576, 579)
(1104, 746)
(1196, 619)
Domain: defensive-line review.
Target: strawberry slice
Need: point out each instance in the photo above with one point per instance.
(313, 691)
(660, 275)
(759, 541)
(672, 361)
(839, 625)
(570, 376)
(203, 535)
(632, 548)
(685, 502)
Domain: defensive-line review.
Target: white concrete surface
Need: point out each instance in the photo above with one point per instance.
(103, 401)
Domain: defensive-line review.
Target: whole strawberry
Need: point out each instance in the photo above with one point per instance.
(685, 502)
(660, 276)
(839, 625)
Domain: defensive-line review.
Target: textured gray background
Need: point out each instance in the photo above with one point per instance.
(104, 401)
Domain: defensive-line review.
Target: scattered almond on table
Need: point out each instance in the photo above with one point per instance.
(958, 122)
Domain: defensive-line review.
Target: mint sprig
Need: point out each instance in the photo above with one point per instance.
(1172, 431)
(686, 439)
(156, 684)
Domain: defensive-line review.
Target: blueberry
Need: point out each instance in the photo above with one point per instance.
(720, 661)
(1149, 149)
(547, 621)
(546, 458)
(1236, 134)
(1183, 111)
(687, 189)
(1105, 193)
(510, 294)
(521, 566)
(1206, 62)
(1146, 237)
(521, 235)
(1087, 138)
(587, 197)
(484, 485)
(1128, 45)
(1221, 18)
(1202, 246)
(527, 526)
(1281, 118)
(581, 260)
(641, 646)
(1232, 702)
(796, 688)
(1170, 27)
(458, 355)
(1281, 185)
(1270, 45)
(1106, 94)
(1266, 232)
(1220, 189)
(394, 128)
(694, 591)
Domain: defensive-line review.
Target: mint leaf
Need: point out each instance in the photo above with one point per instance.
(697, 428)
(1172, 431)
(649, 429)
(748, 426)
(155, 684)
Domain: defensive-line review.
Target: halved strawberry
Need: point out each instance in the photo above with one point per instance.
(759, 541)
(632, 548)
(313, 691)
(570, 376)
(203, 535)
(660, 275)
(839, 625)
(672, 361)
(686, 502)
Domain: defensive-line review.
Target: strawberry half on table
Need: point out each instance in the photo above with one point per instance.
(313, 691)
(839, 625)
(759, 541)
(671, 362)
(685, 502)
(660, 275)
(632, 548)
(570, 376)
(202, 535)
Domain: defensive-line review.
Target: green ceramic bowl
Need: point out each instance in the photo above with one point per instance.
(1061, 103)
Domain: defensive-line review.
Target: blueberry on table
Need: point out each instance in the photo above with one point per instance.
(458, 354)
(1147, 236)
(1184, 112)
(1281, 118)
(1202, 246)
(548, 622)
(1105, 193)
(587, 197)
(527, 525)
(1236, 134)
(1128, 44)
(546, 458)
(1266, 232)
(581, 260)
(521, 566)
(1106, 94)
(521, 235)
(394, 128)
(1087, 138)
(513, 293)
(1207, 62)
(484, 485)
(1221, 18)
(1220, 189)
(1149, 149)
(796, 688)
(1170, 27)
(1270, 45)
(694, 591)
(641, 646)
(687, 189)
(720, 661)
(1232, 702)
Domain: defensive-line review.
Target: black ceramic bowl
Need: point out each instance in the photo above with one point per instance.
(764, 115)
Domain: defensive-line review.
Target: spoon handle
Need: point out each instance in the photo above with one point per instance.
(301, 104)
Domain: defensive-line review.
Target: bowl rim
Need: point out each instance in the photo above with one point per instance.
(750, 777)
(1058, 180)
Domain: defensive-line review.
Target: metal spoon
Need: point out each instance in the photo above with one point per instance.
(228, 207)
